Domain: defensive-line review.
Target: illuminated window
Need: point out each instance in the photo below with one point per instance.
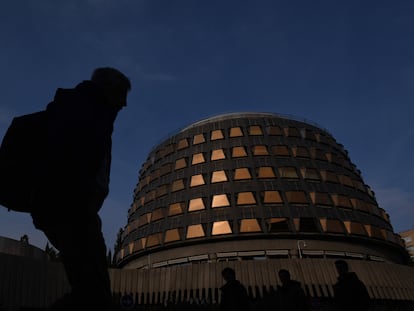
(177, 185)
(278, 225)
(221, 227)
(250, 225)
(300, 152)
(157, 214)
(183, 143)
(266, 172)
(355, 228)
(242, 173)
(198, 158)
(218, 176)
(329, 176)
(274, 131)
(176, 208)
(161, 190)
(288, 172)
(309, 173)
(217, 154)
(320, 198)
(236, 132)
(341, 200)
(374, 232)
(195, 231)
(260, 150)
(140, 244)
(144, 219)
(255, 130)
(296, 197)
(197, 180)
(272, 196)
(306, 224)
(150, 196)
(172, 235)
(196, 204)
(180, 163)
(280, 150)
(220, 200)
(154, 240)
(245, 198)
(217, 134)
(198, 139)
(239, 151)
(165, 169)
(332, 225)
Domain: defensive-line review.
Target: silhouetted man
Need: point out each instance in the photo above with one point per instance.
(349, 291)
(74, 182)
(290, 295)
(233, 294)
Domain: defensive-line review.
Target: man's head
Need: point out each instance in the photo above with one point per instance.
(341, 266)
(284, 276)
(114, 84)
(228, 274)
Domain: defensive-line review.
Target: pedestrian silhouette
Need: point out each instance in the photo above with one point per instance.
(290, 296)
(74, 182)
(234, 296)
(350, 292)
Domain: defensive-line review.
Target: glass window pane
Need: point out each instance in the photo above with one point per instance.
(239, 152)
(280, 150)
(154, 240)
(255, 130)
(355, 228)
(197, 180)
(198, 139)
(172, 235)
(291, 131)
(274, 131)
(157, 214)
(329, 176)
(309, 173)
(278, 225)
(221, 227)
(218, 176)
(180, 163)
(306, 224)
(236, 132)
(245, 198)
(321, 198)
(272, 197)
(341, 201)
(220, 200)
(195, 231)
(265, 172)
(332, 225)
(196, 204)
(183, 143)
(217, 154)
(217, 134)
(176, 208)
(260, 150)
(300, 152)
(242, 173)
(177, 185)
(288, 172)
(198, 158)
(250, 225)
(298, 197)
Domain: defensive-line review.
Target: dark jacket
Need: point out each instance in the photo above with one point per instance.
(234, 297)
(350, 293)
(76, 166)
(291, 297)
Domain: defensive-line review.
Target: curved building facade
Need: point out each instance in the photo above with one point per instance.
(257, 186)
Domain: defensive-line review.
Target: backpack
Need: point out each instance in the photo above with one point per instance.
(21, 150)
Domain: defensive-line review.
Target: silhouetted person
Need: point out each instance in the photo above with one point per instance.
(74, 182)
(233, 294)
(290, 295)
(349, 291)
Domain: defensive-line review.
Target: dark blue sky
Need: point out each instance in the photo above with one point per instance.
(345, 65)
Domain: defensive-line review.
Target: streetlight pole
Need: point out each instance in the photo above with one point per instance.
(299, 248)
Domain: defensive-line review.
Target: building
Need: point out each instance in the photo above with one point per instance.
(253, 186)
(408, 237)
